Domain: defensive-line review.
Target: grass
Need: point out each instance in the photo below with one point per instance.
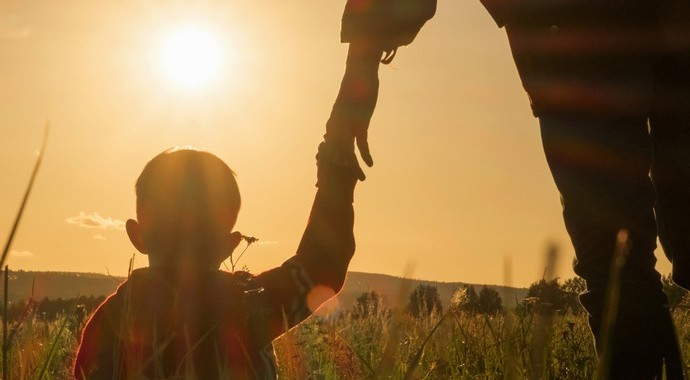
(455, 345)
(42, 349)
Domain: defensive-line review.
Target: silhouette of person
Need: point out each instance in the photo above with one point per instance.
(181, 316)
(610, 84)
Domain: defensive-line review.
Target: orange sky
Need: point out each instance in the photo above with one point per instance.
(459, 181)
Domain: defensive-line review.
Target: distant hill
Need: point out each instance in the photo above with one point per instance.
(68, 285)
(396, 290)
(59, 284)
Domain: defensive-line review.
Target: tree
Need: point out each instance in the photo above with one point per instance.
(424, 300)
(489, 301)
(472, 301)
(575, 285)
(572, 289)
(368, 304)
(548, 293)
(465, 299)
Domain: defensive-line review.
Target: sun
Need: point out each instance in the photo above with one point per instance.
(191, 57)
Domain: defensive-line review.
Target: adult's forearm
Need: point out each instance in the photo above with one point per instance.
(358, 91)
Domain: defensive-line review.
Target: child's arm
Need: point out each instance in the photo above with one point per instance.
(317, 272)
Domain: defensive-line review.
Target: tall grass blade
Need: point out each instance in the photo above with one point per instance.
(510, 362)
(53, 348)
(5, 341)
(608, 322)
(8, 244)
(359, 356)
(418, 355)
(385, 368)
(544, 320)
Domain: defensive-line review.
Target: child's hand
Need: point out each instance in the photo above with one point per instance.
(337, 161)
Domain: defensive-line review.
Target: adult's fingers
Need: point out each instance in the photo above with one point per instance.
(363, 146)
(353, 164)
(360, 173)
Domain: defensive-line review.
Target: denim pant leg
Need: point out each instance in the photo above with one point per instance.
(601, 167)
(670, 131)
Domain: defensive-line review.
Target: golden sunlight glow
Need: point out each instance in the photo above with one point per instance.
(191, 57)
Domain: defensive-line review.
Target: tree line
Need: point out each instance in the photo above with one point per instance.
(552, 295)
(51, 309)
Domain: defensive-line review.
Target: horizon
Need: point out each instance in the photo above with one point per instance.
(349, 271)
(24, 285)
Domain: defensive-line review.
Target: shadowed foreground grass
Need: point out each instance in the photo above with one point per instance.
(455, 345)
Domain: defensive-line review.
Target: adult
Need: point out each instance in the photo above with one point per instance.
(610, 84)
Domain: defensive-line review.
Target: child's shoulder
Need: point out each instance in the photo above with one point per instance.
(147, 283)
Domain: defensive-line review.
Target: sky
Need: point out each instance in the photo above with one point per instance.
(460, 190)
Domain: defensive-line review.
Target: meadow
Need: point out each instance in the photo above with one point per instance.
(528, 343)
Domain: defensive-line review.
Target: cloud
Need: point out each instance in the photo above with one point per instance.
(12, 28)
(14, 253)
(95, 220)
(99, 237)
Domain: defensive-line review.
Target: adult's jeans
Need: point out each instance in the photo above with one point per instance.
(600, 166)
(610, 83)
(627, 167)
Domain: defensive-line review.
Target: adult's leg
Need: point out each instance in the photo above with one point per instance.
(670, 130)
(601, 167)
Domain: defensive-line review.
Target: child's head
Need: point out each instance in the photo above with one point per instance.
(187, 204)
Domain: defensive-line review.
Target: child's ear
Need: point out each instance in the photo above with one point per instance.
(234, 241)
(229, 246)
(134, 233)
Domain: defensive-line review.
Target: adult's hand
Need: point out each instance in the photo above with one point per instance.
(356, 100)
(361, 72)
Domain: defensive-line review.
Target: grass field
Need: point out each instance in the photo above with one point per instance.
(453, 345)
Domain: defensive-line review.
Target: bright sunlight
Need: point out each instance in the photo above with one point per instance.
(191, 57)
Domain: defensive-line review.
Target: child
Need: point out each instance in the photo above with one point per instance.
(181, 316)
